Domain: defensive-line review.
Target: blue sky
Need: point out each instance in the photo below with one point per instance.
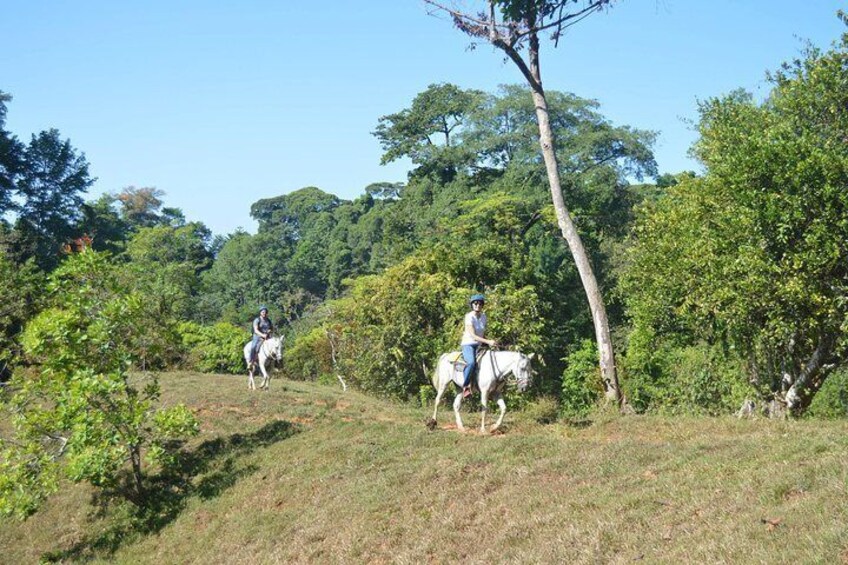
(222, 103)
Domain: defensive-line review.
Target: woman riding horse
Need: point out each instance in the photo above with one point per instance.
(472, 337)
(262, 329)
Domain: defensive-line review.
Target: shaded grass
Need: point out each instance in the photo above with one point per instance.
(365, 481)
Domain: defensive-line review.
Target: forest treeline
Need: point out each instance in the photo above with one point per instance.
(722, 287)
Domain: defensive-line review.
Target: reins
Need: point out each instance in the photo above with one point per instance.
(496, 368)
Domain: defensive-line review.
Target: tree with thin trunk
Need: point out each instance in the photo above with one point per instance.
(513, 26)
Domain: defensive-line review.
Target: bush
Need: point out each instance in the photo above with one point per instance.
(78, 415)
(543, 410)
(310, 356)
(213, 349)
(694, 379)
(581, 380)
(831, 402)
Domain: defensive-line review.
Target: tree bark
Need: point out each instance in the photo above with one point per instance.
(138, 479)
(485, 27)
(801, 392)
(569, 231)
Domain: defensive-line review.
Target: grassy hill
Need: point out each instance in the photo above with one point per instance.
(309, 473)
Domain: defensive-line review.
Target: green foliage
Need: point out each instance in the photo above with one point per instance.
(831, 402)
(426, 395)
(543, 410)
(51, 185)
(166, 262)
(581, 380)
(428, 131)
(664, 376)
(11, 160)
(248, 271)
(20, 291)
(390, 325)
(79, 414)
(752, 256)
(311, 355)
(213, 348)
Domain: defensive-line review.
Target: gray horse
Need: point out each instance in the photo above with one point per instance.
(494, 368)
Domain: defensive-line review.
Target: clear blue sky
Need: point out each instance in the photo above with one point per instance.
(222, 103)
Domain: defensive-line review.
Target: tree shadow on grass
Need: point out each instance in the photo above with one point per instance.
(205, 472)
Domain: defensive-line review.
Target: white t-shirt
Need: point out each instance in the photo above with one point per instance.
(479, 325)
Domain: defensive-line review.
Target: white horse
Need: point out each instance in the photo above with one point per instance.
(494, 367)
(271, 348)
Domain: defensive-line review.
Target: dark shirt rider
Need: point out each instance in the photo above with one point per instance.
(262, 329)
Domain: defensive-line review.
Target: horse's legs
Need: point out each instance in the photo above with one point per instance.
(456, 404)
(502, 405)
(251, 385)
(439, 392)
(483, 398)
(265, 377)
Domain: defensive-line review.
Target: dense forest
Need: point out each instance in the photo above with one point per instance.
(725, 288)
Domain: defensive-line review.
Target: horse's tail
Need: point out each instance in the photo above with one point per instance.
(434, 376)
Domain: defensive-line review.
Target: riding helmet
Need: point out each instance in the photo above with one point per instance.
(476, 298)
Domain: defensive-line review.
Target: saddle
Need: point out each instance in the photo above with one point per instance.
(458, 362)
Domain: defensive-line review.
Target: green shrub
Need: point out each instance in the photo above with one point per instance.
(543, 410)
(426, 396)
(310, 356)
(213, 349)
(77, 414)
(831, 402)
(695, 379)
(581, 380)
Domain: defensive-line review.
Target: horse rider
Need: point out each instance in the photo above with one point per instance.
(472, 336)
(262, 329)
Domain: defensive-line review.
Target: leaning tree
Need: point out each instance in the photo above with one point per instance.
(514, 27)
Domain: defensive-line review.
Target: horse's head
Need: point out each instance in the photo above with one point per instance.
(523, 371)
(276, 343)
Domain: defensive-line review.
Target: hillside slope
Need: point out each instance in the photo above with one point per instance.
(308, 473)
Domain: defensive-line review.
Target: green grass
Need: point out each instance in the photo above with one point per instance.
(307, 473)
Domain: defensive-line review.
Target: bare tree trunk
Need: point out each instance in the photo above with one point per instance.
(569, 232)
(135, 458)
(810, 379)
(507, 37)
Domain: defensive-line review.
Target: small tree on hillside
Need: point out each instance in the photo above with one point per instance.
(79, 415)
(513, 26)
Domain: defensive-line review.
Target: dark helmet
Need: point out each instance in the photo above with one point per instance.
(477, 298)
(263, 308)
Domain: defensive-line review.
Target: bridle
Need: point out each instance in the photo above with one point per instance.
(522, 380)
(273, 353)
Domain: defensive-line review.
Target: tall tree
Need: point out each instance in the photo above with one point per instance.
(140, 205)
(104, 224)
(11, 159)
(427, 132)
(52, 184)
(752, 255)
(513, 26)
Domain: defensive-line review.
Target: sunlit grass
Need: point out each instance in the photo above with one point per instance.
(309, 473)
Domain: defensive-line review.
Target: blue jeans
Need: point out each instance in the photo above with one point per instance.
(257, 343)
(469, 354)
